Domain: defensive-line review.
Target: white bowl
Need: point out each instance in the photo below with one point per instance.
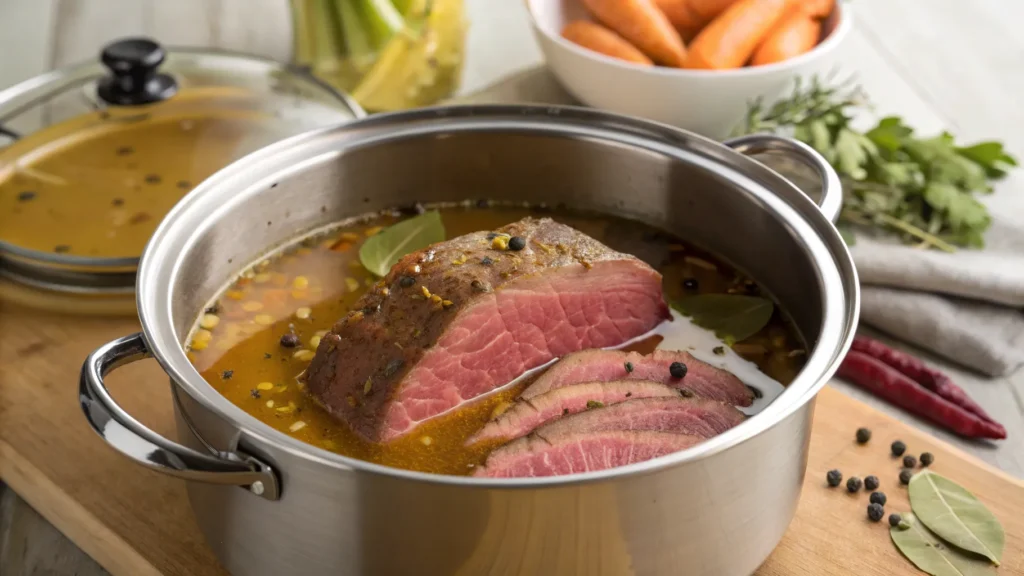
(709, 102)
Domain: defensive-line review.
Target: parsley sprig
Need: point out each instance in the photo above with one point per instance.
(923, 189)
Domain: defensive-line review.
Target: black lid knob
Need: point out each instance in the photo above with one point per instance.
(133, 78)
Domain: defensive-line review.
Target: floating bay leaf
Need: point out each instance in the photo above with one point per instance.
(380, 252)
(933, 556)
(730, 316)
(953, 513)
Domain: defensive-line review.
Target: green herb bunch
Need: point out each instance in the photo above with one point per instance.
(924, 189)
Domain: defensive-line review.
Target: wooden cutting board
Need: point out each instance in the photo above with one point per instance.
(137, 523)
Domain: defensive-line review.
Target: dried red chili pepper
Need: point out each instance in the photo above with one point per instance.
(919, 372)
(889, 383)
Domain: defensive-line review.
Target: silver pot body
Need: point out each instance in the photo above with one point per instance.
(716, 509)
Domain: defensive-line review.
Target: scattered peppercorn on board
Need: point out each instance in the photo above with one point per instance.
(138, 523)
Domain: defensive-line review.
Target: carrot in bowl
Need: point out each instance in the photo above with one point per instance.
(641, 23)
(687, 22)
(708, 10)
(797, 33)
(600, 39)
(817, 8)
(731, 38)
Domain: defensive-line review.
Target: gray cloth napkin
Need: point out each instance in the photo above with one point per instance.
(965, 306)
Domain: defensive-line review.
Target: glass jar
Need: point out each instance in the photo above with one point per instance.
(388, 54)
(92, 157)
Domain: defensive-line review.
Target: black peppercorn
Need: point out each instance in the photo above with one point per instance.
(853, 485)
(878, 498)
(905, 475)
(629, 367)
(677, 370)
(690, 284)
(406, 281)
(875, 512)
(834, 477)
(863, 435)
(516, 243)
(927, 459)
(895, 519)
(289, 340)
(486, 261)
(871, 483)
(909, 461)
(898, 448)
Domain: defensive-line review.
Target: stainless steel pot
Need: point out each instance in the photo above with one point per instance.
(716, 509)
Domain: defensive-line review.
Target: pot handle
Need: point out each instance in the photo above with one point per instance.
(134, 440)
(831, 187)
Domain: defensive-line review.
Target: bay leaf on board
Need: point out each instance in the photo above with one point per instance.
(956, 515)
(929, 554)
(381, 251)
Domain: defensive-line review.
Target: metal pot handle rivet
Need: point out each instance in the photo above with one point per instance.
(134, 440)
(831, 187)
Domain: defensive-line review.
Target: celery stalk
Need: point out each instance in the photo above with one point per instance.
(402, 6)
(328, 45)
(357, 40)
(382, 18)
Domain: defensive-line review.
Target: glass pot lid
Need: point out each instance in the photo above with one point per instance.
(92, 156)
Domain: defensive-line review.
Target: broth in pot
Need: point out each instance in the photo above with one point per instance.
(255, 342)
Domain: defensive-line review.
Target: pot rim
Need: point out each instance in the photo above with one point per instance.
(162, 262)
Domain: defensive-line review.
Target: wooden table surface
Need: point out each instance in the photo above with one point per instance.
(941, 64)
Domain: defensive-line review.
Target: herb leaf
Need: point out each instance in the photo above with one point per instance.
(382, 251)
(732, 317)
(923, 189)
(956, 515)
(931, 555)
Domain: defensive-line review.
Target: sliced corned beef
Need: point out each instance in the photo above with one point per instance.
(525, 415)
(693, 416)
(701, 378)
(558, 454)
(465, 316)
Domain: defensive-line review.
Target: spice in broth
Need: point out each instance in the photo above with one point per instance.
(263, 330)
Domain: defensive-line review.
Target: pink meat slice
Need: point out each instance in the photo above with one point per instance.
(692, 416)
(701, 378)
(557, 454)
(463, 317)
(525, 415)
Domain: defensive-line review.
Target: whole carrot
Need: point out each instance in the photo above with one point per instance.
(919, 372)
(797, 33)
(888, 383)
(600, 39)
(816, 8)
(708, 10)
(687, 22)
(731, 38)
(641, 23)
